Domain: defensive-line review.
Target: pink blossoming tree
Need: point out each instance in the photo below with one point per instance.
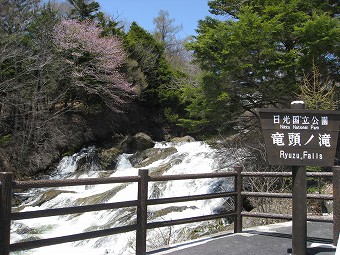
(94, 62)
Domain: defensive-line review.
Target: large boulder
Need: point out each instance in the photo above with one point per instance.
(183, 139)
(136, 143)
(147, 157)
(109, 157)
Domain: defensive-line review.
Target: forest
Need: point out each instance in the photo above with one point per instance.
(71, 75)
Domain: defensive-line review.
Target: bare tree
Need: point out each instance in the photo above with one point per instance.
(166, 32)
(318, 93)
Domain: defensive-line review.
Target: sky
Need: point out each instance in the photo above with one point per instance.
(185, 12)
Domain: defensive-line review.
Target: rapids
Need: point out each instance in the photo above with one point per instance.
(193, 157)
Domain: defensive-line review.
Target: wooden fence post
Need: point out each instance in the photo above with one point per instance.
(6, 179)
(336, 204)
(239, 201)
(142, 212)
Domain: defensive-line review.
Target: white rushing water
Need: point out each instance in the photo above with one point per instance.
(193, 157)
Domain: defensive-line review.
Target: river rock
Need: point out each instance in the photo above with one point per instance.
(183, 139)
(146, 157)
(88, 160)
(109, 157)
(136, 143)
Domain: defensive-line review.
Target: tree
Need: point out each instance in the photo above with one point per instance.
(84, 9)
(109, 25)
(161, 95)
(149, 54)
(317, 95)
(257, 55)
(29, 77)
(45, 75)
(93, 63)
(166, 32)
(16, 13)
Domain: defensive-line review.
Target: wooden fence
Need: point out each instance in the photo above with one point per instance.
(8, 186)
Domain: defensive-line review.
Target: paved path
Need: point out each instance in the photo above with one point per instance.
(273, 239)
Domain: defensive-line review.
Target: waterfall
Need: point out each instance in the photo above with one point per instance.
(187, 158)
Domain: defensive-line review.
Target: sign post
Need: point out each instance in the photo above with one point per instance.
(298, 138)
(299, 193)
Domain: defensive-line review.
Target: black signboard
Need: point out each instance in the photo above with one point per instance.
(298, 137)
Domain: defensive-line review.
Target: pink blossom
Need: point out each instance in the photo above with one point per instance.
(92, 56)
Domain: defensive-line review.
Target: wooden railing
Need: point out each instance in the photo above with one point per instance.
(8, 185)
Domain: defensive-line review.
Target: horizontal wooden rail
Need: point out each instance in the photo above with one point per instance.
(319, 174)
(320, 196)
(191, 176)
(71, 210)
(72, 182)
(159, 201)
(267, 215)
(189, 220)
(70, 238)
(266, 194)
(284, 174)
(284, 195)
(320, 218)
(286, 216)
(266, 174)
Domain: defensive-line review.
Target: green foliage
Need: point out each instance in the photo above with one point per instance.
(143, 48)
(313, 168)
(258, 55)
(83, 10)
(314, 183)
(200, 106)
(170, 115)
(109, 26)
(155, 71)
